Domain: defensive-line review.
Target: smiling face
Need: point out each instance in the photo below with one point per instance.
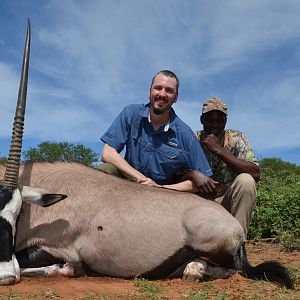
(214, 122)
(163, 93)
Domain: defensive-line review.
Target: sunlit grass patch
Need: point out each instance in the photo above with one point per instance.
(203, 295)
(45, 294)
(146, 286)
(96, 296)
(10, 295)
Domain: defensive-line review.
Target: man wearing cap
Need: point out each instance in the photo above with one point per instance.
(235, 168)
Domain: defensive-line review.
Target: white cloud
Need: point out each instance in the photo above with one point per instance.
(9, 93)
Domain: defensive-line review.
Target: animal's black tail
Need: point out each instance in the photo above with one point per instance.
(271, 270)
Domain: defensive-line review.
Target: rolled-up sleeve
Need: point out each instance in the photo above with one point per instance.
(197, 159)
(117, 134)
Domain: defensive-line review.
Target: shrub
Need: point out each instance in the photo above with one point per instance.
(277, 213)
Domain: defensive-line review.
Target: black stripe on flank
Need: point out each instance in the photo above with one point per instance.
(171, 264)
(6, 240)
(6, 193)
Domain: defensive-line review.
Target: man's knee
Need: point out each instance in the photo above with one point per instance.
(109, 169)
(245, 182)
(243, 199)
(244, 190)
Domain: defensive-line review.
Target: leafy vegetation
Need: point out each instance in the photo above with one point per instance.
(44, 294)
(147, 289)
(278, 165)
(277, 213)
(52, 151)
(2, 160)
(96, 296)
(10, 295)
(206, 295)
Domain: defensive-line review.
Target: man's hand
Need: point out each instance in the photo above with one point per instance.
(204, 184)
(148, 182)
(212, 142)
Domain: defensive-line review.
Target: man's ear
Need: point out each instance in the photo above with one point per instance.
(149, 95)
(176, 98)
(201, 119)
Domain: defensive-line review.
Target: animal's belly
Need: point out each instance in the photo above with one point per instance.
(146, 264)
(127, 249)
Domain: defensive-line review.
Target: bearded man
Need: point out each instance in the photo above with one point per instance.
(158, 143)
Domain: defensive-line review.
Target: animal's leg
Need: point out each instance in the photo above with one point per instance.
(200, 269)
(67, 270)
(195, 270)
(218, 272)
(9, 272)
(17, 268)
(8, 276)
(35, 257)
(10, 205)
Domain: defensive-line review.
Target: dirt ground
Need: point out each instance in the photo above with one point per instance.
(236, 287)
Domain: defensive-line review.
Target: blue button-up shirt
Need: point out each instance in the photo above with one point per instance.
(158, 154)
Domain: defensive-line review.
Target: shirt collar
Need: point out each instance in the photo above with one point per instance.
(167, 126)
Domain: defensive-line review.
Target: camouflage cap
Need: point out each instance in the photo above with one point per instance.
(214, 103)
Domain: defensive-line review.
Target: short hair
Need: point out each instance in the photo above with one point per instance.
(167, 73)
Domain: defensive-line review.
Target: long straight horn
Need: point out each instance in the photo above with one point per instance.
(13, 162)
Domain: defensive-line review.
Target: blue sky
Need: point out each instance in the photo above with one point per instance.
(91, 58)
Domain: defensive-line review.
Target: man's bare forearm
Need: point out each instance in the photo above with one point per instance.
(110, 155)
(237, 165)
(184, 186)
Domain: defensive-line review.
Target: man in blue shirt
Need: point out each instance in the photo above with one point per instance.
(158, 143)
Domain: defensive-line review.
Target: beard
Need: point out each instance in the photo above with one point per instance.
(158, 111)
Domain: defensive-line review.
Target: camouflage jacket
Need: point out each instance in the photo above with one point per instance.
(237, 144)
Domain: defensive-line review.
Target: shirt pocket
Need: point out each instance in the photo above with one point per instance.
(170, 160)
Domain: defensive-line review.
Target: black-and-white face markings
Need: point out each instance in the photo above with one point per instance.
(10, 205)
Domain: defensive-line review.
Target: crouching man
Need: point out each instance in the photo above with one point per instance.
(234, 165)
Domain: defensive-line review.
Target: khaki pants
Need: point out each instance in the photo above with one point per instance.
(109, 169)
(240, 199)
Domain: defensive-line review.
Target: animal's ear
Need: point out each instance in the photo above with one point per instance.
(40, 196)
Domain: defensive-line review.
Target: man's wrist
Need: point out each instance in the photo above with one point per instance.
(219, 151)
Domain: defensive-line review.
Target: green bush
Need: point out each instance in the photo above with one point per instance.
(64, 151)
(3, 160)
(277, 212)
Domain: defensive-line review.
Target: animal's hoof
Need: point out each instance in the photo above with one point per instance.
(7, 280)
(218, 272)
(194, 271)
(191, 278)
